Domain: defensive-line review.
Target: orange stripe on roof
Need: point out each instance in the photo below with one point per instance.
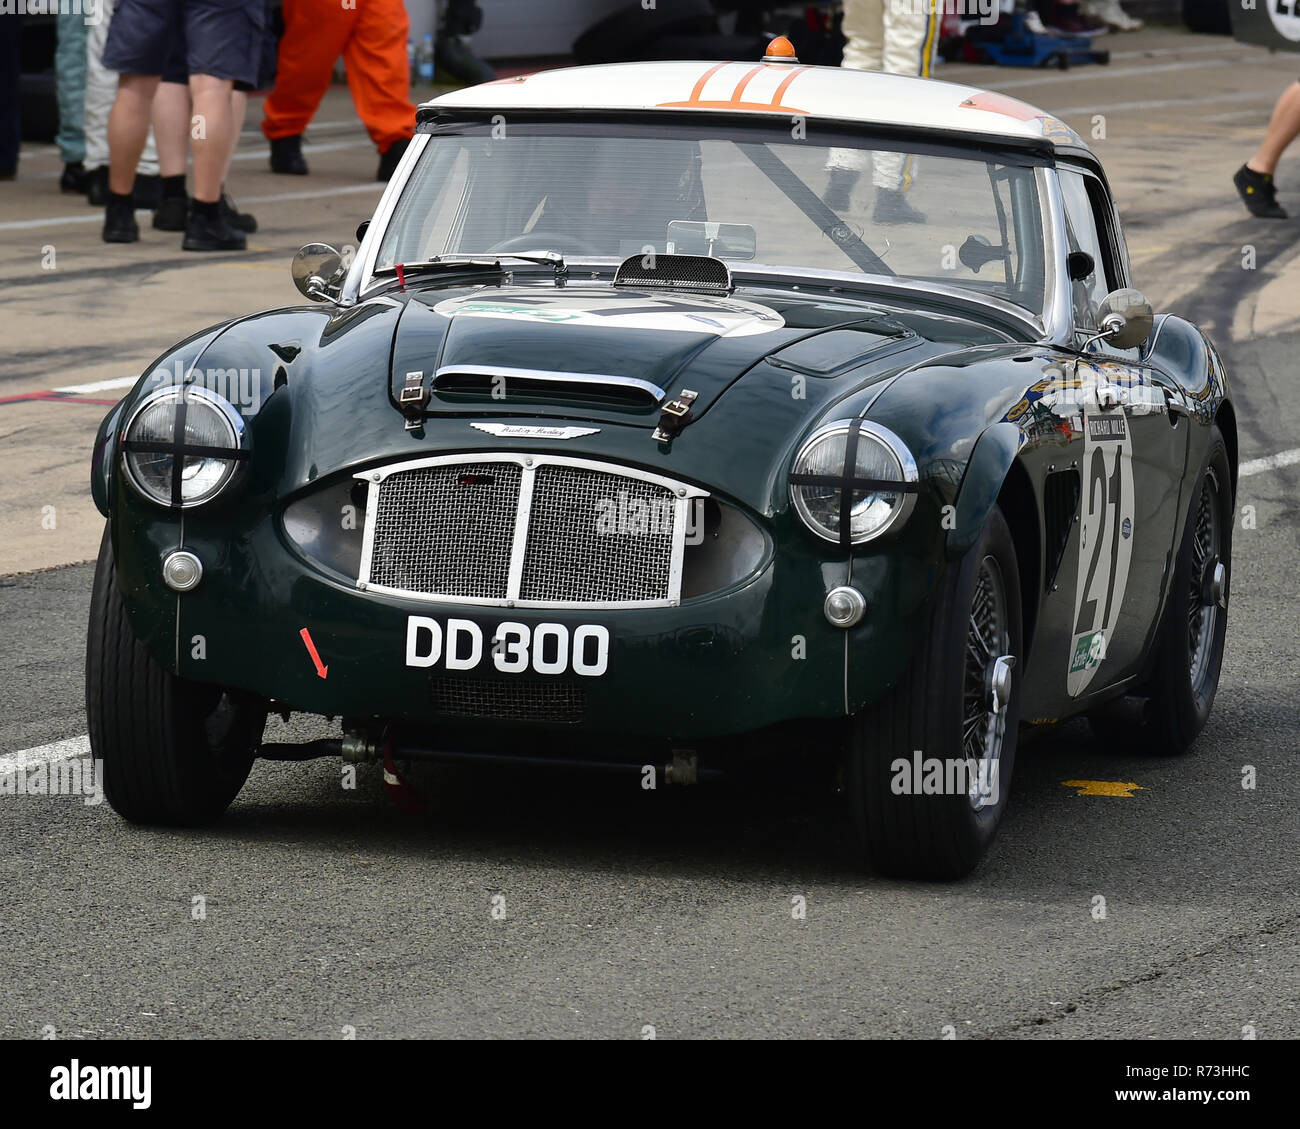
(720, 105)
(744, 82)
(736, 102)
(785, 85)
(699, 86)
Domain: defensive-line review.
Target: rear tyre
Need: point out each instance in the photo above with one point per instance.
(174, 752)
(1189, 643)
(944, 708)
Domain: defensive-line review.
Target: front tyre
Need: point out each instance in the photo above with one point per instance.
(930, 764)
(174, 752)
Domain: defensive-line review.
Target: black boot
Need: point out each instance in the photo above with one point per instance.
(207, 230)
(97, 187)
(240, 221)
(892, 207)
(119, 220)
(73, 178)
(388, 159)
(286, 156)
(171, 213)
(147, 192)
(1258, 193)
(173, 208)
(839, 189)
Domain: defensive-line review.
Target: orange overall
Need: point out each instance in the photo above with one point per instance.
(371, 37)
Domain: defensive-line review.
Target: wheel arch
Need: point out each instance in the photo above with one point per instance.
(996, 477)
(1226, 418)
(1019, 506)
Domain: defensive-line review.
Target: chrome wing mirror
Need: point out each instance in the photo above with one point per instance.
(318, 272)
(1124, 319)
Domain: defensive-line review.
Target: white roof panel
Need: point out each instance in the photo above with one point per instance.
(779, 88)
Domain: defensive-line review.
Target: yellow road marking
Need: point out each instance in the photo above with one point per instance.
(1103, 787)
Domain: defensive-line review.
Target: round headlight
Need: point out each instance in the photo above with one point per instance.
(190, 427)
(821, 474)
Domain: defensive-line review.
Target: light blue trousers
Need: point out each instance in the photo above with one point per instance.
(70, 79)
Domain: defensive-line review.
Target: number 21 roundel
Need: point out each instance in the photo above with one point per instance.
(1105, 543)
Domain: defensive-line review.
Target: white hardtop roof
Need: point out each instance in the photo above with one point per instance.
(777, 88)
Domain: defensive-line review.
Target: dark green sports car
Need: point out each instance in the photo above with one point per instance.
(668, 414)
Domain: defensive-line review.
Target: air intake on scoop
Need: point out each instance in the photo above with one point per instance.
(674, 272)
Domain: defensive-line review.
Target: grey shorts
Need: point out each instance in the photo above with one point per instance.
(223, 38)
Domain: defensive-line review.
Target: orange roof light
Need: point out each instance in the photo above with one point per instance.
(780, 50)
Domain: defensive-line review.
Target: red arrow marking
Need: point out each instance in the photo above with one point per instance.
(321, 668)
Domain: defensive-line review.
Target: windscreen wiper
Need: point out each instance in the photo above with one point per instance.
(553, 259)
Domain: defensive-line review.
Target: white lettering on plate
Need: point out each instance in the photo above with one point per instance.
(513, 648)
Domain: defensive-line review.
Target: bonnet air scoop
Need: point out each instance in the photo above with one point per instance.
(700, 274)
(494, 381)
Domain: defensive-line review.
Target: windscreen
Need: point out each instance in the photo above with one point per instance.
(961, 220)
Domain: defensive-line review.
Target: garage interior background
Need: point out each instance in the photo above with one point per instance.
(523, 28)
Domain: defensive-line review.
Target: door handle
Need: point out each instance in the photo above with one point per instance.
(1175, 403)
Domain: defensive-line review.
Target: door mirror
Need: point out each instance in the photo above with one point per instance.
(720, 240)
(317, 270)
(1124, 318)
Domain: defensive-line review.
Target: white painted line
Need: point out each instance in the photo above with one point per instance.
(1269, 462)
(1108, 73)
(348, 190)
(1198, 49)
(251, 154)
(45, 754)
(308, 150)
(94, 215)
(1266, 98)
(98, 385)
(315, 127)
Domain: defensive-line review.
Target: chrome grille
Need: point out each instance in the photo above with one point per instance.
(446, 529)
(512, 529)
(594, 536)
(520, 700)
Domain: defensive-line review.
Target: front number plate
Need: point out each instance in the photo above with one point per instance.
(508, 647)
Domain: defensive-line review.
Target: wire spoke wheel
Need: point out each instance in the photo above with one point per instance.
(988, 636)
(1203, 613)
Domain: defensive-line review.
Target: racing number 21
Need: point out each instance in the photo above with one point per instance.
(1102, 511)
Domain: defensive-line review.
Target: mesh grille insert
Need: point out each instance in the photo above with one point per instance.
(597, 537)
(516, 700)
(447, 529)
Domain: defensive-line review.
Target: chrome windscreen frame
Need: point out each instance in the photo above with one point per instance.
(363, 263)
(683, 496)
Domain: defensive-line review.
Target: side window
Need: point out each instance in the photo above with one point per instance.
(1081, 229)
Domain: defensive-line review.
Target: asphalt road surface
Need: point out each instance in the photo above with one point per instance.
(554, 905)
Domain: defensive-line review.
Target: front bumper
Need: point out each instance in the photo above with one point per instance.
(730, 663)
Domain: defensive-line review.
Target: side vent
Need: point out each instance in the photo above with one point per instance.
(1060, 505)
(698, 273)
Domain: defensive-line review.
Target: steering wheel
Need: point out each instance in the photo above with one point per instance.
(545, 241)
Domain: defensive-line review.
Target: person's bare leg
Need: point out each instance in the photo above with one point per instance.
(238, 110)
(211, 143)
(128, 127)
(1282, 130)
(171, 127)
